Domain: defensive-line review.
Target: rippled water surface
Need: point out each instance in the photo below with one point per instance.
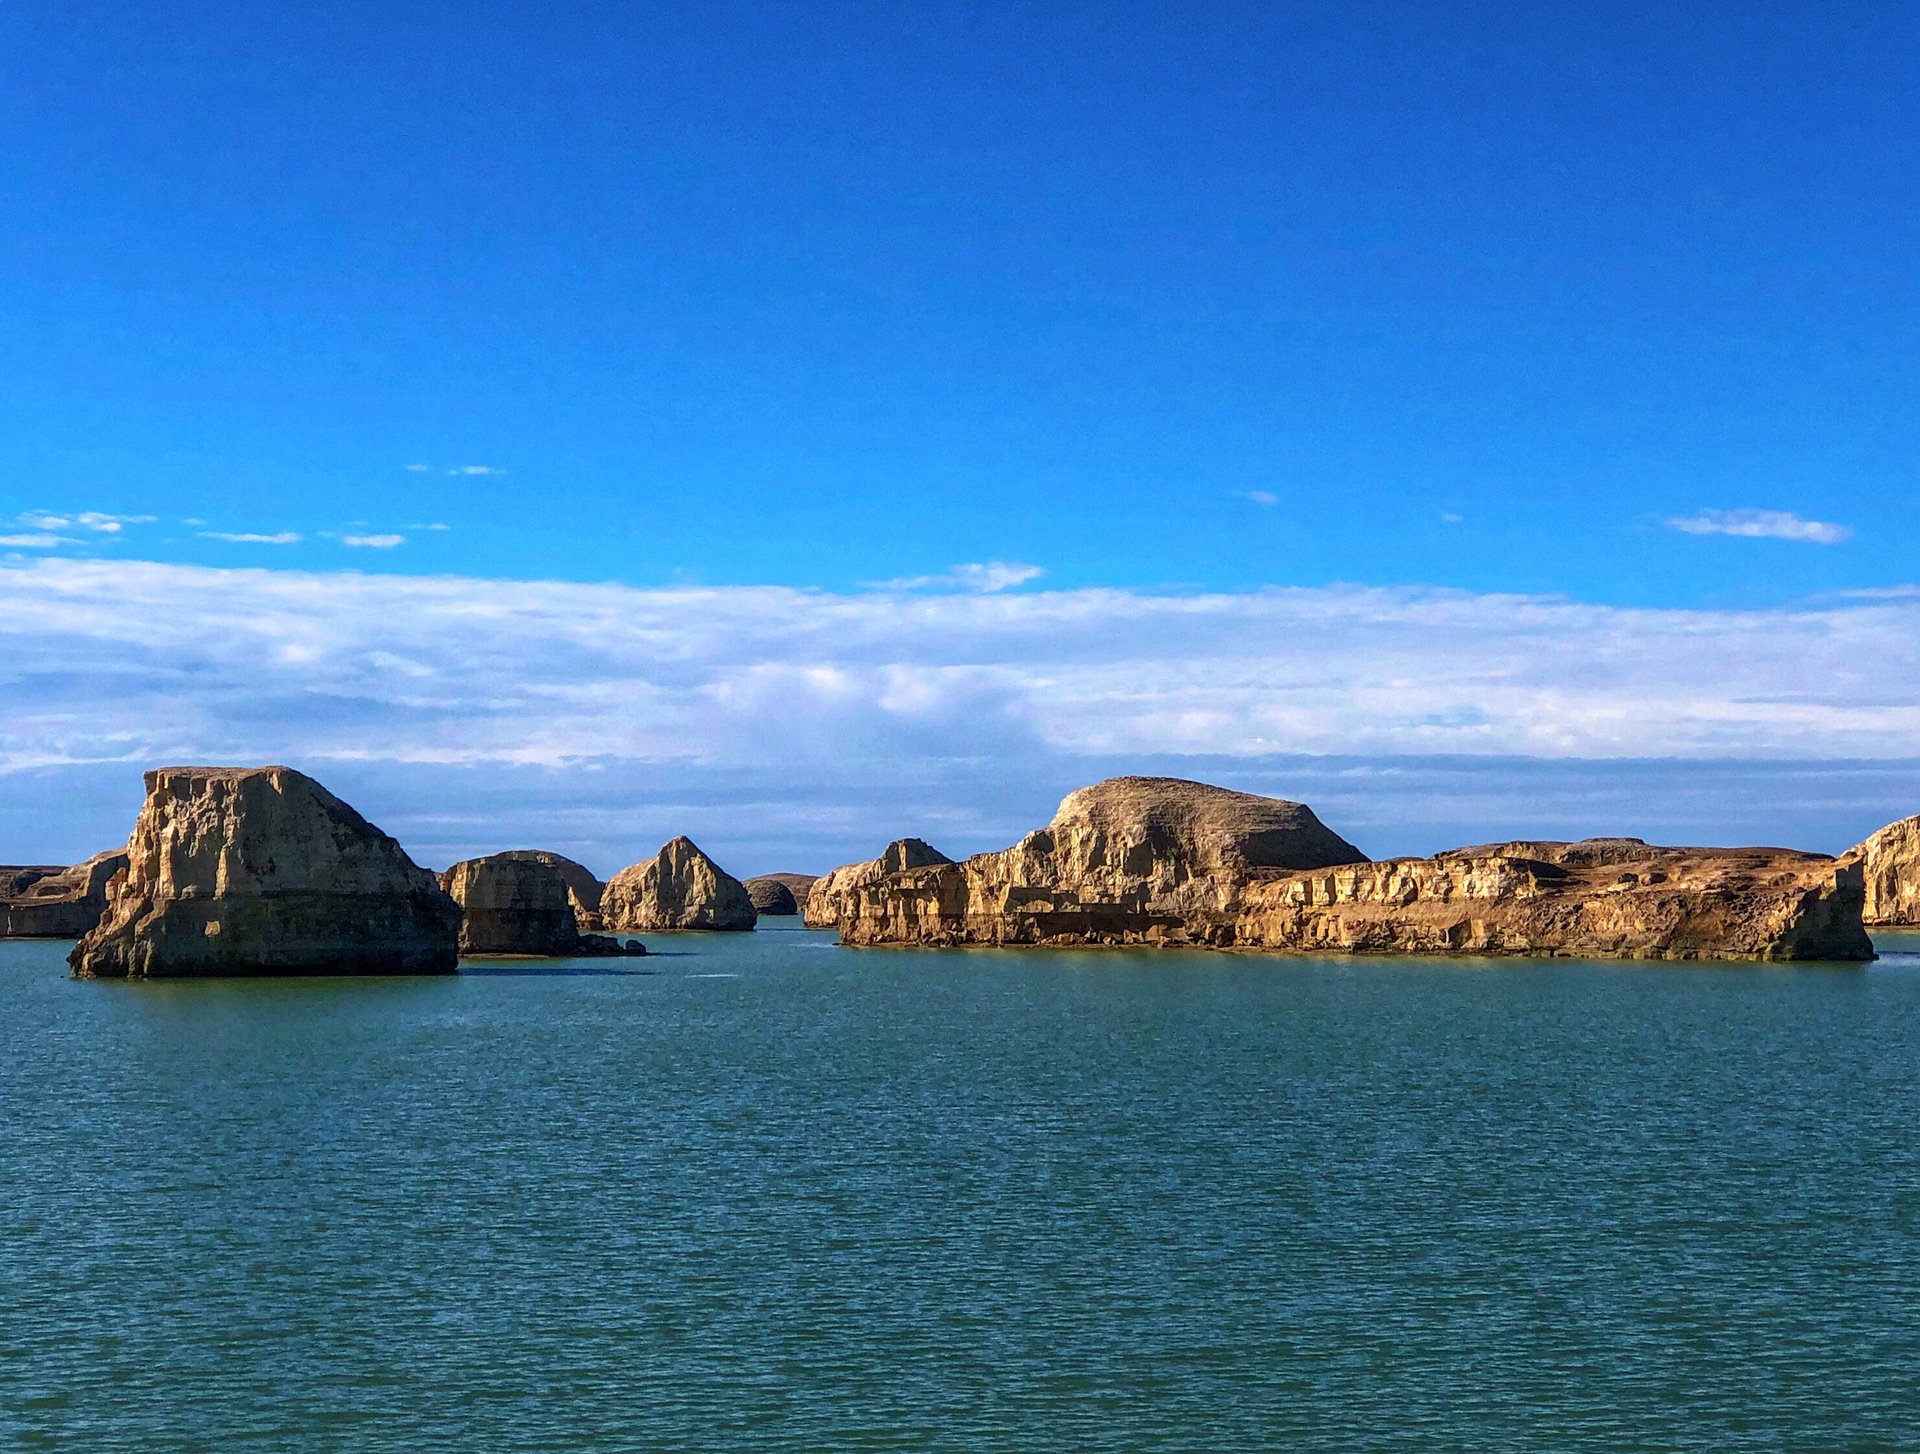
(771, 1194)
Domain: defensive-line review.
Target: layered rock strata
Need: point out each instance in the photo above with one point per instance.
(831, 890)
(1890, 862)
(251, 871)
(1154, 862)
(57, 903)
(678, 888)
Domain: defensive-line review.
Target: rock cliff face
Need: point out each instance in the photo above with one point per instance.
(57, 903)
(830, 891)
(1890, 860)
(1117, 867)
(678, 888)
(243, 871)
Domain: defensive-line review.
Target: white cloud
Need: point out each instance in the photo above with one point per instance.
(93, 520)
(374, 542)
(284, 537)
(133, 661)
(475, 469)
(987, 577)
(419, 469)
(1263, 497)
(34, 542)
(1761, 524)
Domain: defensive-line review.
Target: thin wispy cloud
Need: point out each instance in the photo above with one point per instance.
(475, 469)
(244, 537)
(34, 542)
(982, 576)
(1263, 497)
(1762, 525)
(419, 469)
(144, 662)
(373, 542)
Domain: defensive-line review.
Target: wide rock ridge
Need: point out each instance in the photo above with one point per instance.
(246, 871)
(1890, 862)
(1107, 873)
(57, 903)
(678, 888)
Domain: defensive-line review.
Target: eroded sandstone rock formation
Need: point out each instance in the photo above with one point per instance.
(523, 902)
(780, 893)
(1890, 862)
(678, 888)
(830, 891)
(242, 871)
(57, 903)
(1160, 862)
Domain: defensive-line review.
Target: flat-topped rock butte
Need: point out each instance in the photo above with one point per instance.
(1166, 862)
(249, 871)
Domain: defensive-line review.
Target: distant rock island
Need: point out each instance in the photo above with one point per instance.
(522, 902)
(261, 870)
(778, 895)
(57, 903)
(1166, 862)
(678, 888)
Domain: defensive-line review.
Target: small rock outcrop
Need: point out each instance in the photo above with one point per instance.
(678, 888)
(251, 871)
(57, 903)
(779, 893)
(830, 891)
(1890, 862)
(1154, 861)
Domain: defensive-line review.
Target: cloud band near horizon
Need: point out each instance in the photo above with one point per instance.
(145, 661)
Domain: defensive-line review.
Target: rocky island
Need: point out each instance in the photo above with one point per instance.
(678, 888)
(57, 903)
(248, 871)
(522, 903)
(779, 894)
(1165, 862)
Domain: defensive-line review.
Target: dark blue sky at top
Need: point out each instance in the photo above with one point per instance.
(1479, 295)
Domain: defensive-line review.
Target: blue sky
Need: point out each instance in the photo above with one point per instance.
(1008, 303)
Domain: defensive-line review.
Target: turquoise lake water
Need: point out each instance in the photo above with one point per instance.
(771, 1194)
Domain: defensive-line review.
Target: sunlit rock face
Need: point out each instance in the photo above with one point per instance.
(678, 888)
(57, 903)
(249, 871)
(1156, 861)
(1890, 863)
(827, 893)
